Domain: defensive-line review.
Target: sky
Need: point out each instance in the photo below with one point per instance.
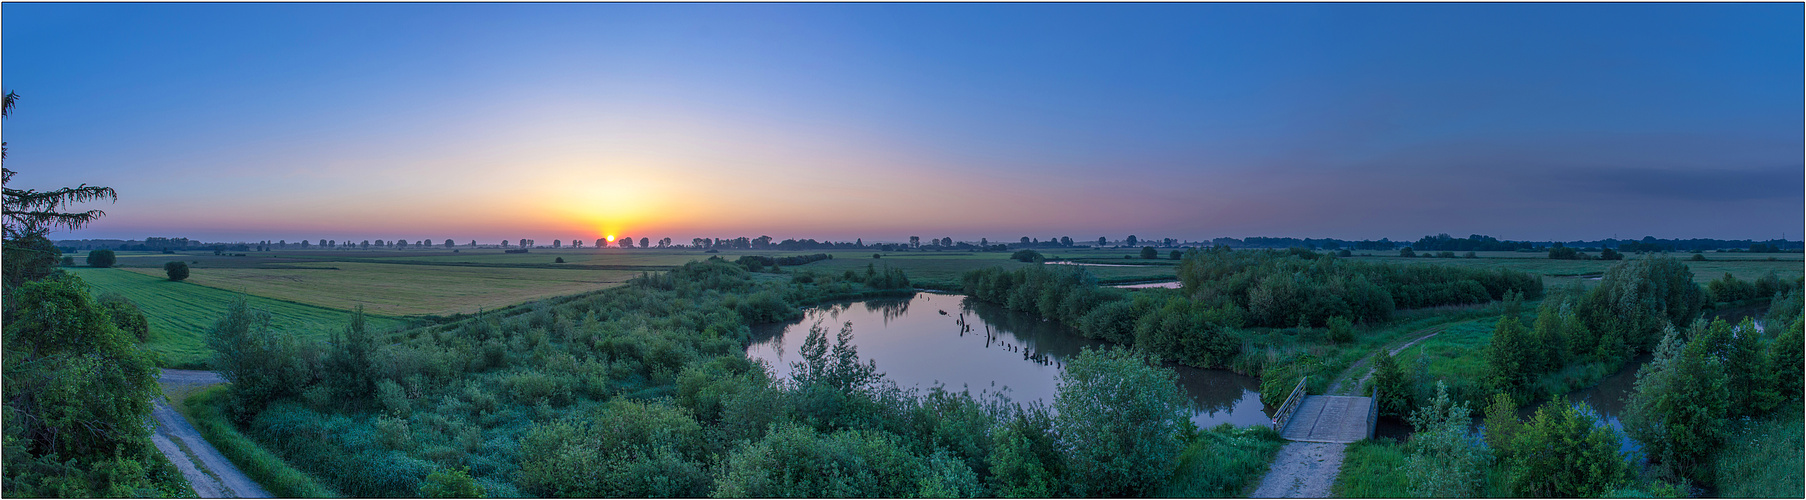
(1538, 121)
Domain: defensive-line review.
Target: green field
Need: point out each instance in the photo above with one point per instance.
(404, 290)
(1745, 266)
(181, 313)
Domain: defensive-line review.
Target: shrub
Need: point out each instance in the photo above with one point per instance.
(1341, 331)
(125, 315)
(68, 261)
(1120, 418)
(1027, 256)
(1406, 252)
(177, 270)
(101, 258)
(1698, 257)
(1149, 253)
(451, 483)
(559, 260)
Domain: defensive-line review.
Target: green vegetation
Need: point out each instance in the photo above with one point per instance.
(180, 313)
(1370, 470)
(402, 289)
(177, 270)
(206, 409)
(1224, 461)
(78, 397)
(1761, 459)
(101, 258)
(1129, 414)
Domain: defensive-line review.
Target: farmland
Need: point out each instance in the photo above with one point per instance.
(180, 313)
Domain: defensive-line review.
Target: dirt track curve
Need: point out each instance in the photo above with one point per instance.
(211, 475)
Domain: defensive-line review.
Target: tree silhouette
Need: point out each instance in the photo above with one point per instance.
(1130, 240)
(643, 242)
(1102, 241)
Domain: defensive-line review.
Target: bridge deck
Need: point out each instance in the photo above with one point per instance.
(1330, 419)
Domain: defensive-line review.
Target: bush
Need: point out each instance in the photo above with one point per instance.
(68, 261)
(559, 260)
(101, 258)
(1341, 331)
(1027, 256)
(1698, 257)
(450, 483)
(1120, 418)
(177, 270)
(1149, 253)
(125, 315)
(1406, 252)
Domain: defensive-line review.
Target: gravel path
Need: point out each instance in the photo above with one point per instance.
(1302, 470)
(1339, 388)
(209, 472)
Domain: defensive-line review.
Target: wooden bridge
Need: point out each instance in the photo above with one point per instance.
(1325, 419)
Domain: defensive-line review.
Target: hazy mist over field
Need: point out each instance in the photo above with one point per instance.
(490, 121)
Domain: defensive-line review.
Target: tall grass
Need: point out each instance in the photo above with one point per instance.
(1764, 459)
(1224, 461)
(1372, 469)
(204, 410)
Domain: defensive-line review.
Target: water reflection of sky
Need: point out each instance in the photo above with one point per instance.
(1020, 354)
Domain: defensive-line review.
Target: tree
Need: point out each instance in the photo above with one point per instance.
(1678, 409)
(449, 244)
(947, 241)
(626, 242)
(262, 364)
(1065, 241)
(1406, 252)
(401, 244)
(101, 258)
(1119, 419)
(523, 243)
(643, 242)
(1509, 359)
(1445, 461)
(1565, 451)
(1149, 253)
(557, 243)
(915, 241)
(1130, 240)
(1102, 241)
(576, 243)
(176, 269)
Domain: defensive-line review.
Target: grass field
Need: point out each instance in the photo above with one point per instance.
(1745, 266)
(403, 290)
(206, 410)
(1372, 469)
(181, 313)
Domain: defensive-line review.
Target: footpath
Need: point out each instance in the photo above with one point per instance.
(209, 472)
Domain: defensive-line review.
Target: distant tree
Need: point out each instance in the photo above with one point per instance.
(1025, 240)
(1102, 241)
(365, 245)
(401, 244)
(504, 243)
(663, 242)
(576, 243)
(947, 241)
(559, 260)
(524, 244)
(915, 241)
(983, 242)
(1344, 253)
(626, 242)
(176, 269)
(1149, 253)
(473, 243)
(1698, 257)
(557, 243)
(1406, 252)
(644, 243)
(1130, 240)
(697, 242)
(449, 244)
(601, 243)
(1608, 254)
(1065, 241)
(1176, 255)
(101, 258)
(323, 244)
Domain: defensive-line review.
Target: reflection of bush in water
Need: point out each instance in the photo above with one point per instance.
(1045, 337)
(890, 308)
(1212, 391)
(1209, 391)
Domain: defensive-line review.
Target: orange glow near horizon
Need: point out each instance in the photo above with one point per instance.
(611, 238)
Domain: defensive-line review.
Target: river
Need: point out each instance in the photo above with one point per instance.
(918, 342)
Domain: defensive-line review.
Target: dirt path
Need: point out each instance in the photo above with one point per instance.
(1341, 387)
(1302, 470)
(211, 475)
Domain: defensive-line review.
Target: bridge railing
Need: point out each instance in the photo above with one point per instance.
(1286, 409)
(1373, 411)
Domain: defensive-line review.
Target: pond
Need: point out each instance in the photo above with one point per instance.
(918, 342)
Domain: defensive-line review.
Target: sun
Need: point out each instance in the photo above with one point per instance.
(611, 238)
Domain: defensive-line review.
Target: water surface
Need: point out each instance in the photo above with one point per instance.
(918, 346)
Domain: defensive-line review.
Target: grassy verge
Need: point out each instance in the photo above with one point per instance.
(1224, 461)
(180, 313)
(1763, 459)
(204, 410)
(1372, 469)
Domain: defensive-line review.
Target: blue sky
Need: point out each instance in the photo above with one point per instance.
(881, 121)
